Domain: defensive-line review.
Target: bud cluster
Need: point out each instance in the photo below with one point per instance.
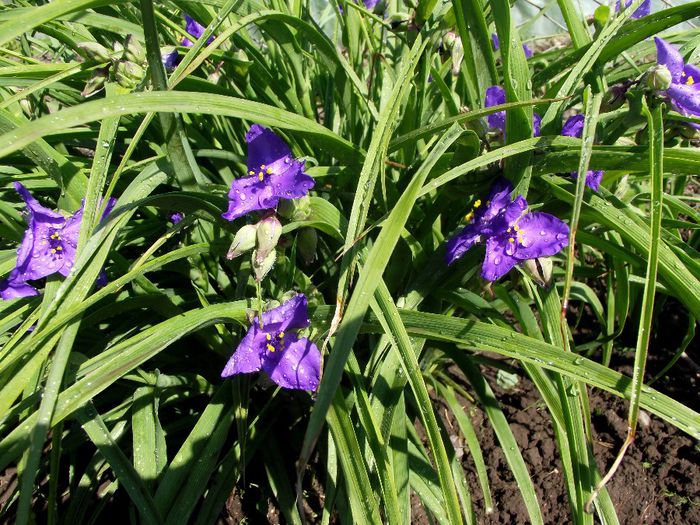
(125, 64)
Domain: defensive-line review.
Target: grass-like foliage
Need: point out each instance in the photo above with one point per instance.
(375, 206)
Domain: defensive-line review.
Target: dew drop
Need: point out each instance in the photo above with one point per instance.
(543, 233)
(243, 197)
(497, 260)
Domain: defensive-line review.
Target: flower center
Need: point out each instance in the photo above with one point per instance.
(264, 170)
(54, 241)
(274, 343)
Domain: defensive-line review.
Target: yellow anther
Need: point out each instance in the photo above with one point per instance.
(281, 335)
(268, 336)
(270, 348)
(251, 172)
(260, 176)
(510, 239)
(59, 248)
(268, 170)
(516, 228)
(469, 216)
(53, 250)
(508, 230)
(477, 203)
(262, 166)
(690, 80)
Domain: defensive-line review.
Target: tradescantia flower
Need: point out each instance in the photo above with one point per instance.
(195, 30)
(270, 345)
(48, 246)
(684, 89)
(573, 127)
(512, 234)
(273, 175)
(497, 46)
(496, 95)
(643, 10)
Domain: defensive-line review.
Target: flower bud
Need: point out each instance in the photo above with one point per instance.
(540, 270)
(94, 51)
(448, 41)
(614, 97)
(95, 83)
(133, 51)
(243, 241)
(659, 78)
(128, 74)
(263, 265)
(307, 240)
(268, 234)
(457, 56)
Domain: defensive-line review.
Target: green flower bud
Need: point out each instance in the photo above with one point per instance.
(96, 82)
(268, 234)
(128, 74)
(659, 78)
(94, 51)
(540, 270)
(133, 51)
(243, 241)
(307, 241)
(263, 265)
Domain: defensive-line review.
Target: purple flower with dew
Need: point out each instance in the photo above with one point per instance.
(497, 46)
(643, 10)
(573, 127)
(271, 345)
(274, 175)
(684, 90)
(195, 30)
(48, 246)
(496, 95)
(170, 59)
(176, 217)
(512, 234)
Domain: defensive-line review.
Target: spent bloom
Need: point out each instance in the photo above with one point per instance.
(273, 175)
(512, 234)
(684, 89)
(271, 345)
(195, 30)
(497, 46)
(48, 246)
(573, 127)
(643, 10)
(496, 95)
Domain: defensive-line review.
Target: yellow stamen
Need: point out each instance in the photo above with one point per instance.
(53, 250)
(508, 230)
(469, 216)
(59, 248)
(477, 203)
(262, 166)
(516, 228)
(690, 81)
(268, 170)
(260, 176)
(270, 348)
(251, 172)
(281, 336)
(268, 336)
(510, 239)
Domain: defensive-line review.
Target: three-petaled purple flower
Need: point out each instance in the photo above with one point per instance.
(684, 90)
(573, 127)
(195, 30)
(512, 234)
(290, 361)
(48, 246)
(496, 95)
(497, 46)
(274, 175)
(643, 10)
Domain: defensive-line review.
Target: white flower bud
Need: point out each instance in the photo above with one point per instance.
(243, 241)
(268, 234)
(540, 270)
(262, 266)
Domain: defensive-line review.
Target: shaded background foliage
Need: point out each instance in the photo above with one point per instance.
(111, 399)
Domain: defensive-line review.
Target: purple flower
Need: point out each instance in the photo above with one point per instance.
(170, 59)
(274, 175)
(496, 95)
(195, 30)
(684, 90)
(497, 46)
(290, 361)
(643, 10)
(48, 246)
(176, 217)
(512, 235)
(573, 127)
